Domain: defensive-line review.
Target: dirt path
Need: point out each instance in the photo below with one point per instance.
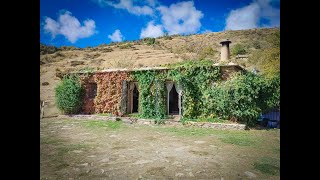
(80, 149)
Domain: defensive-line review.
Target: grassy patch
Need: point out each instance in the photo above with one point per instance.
(58, 152)
(102, 124)
(188, 131)
(268, 165)
(105, 114)
(135, 115)
(240, 140)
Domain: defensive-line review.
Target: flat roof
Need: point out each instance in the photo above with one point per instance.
(154, 68)
(225, 41)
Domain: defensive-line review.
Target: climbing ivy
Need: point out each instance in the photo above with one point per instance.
(193, 78)
(242, 97)
(151, 94)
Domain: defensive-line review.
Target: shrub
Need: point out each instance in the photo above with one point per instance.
(166, 36)
(243, 97)
(256, 45)
(69, 94)
(149, 40)
(126, 46)
(47, 49)
(267, 61)
(238, 49)
(207, 52)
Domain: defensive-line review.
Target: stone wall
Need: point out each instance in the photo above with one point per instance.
(215, 125)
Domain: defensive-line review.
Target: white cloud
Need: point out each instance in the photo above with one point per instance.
(116, 36)
(128, 5)
(250, 16)
(152, 3)
(206, 31)
(152, 30)
(70, 27)
(181, 18)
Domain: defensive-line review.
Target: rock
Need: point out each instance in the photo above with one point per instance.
(179, 174)
(142, 162)
(113, 135)
(176, 162)
(84, 164)
(102, 171)
(105, 160)
(181, 148)
(199, 142)
(92, 156)
(250, 174)
(77, 151)
(45, 84)
(191, 174)
(134, 140)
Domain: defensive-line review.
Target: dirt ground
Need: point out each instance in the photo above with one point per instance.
(88, 149)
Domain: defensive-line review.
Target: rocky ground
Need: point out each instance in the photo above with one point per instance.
(100, 149)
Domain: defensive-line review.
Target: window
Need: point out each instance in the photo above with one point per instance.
(92, 90)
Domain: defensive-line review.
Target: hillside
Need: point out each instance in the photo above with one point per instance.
(153, 52)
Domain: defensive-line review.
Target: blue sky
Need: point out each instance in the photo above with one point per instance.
(83, 23)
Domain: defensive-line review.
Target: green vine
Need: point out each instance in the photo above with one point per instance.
(194, 79)
(152, 94)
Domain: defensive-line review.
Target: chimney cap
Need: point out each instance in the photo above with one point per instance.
(225, 41)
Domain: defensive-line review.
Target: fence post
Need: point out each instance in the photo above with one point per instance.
(41, 109)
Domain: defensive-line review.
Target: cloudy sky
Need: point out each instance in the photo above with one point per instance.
(85, 23)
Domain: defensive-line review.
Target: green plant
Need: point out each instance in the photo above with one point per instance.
(207, 52)
(238, 49)
(243, 97)
(267, 61)
(126, 46)
(268, 165)
(256, 45)
(152, 95)
(149, 40)
(159, 121)
(166, 36)
(69, 94)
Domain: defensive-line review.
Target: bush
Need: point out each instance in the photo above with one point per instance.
(207, 52)
(256, 45)
(244, 97)
(126, 46)
(47, 49)
(267, 61)
(69, 94)
(149, 41)
(238, 49)
(166, 36)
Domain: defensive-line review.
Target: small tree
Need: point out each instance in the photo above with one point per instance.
(238, 49)
(69, 94)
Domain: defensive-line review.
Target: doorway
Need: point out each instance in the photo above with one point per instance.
(173, 101)
(135, 100)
